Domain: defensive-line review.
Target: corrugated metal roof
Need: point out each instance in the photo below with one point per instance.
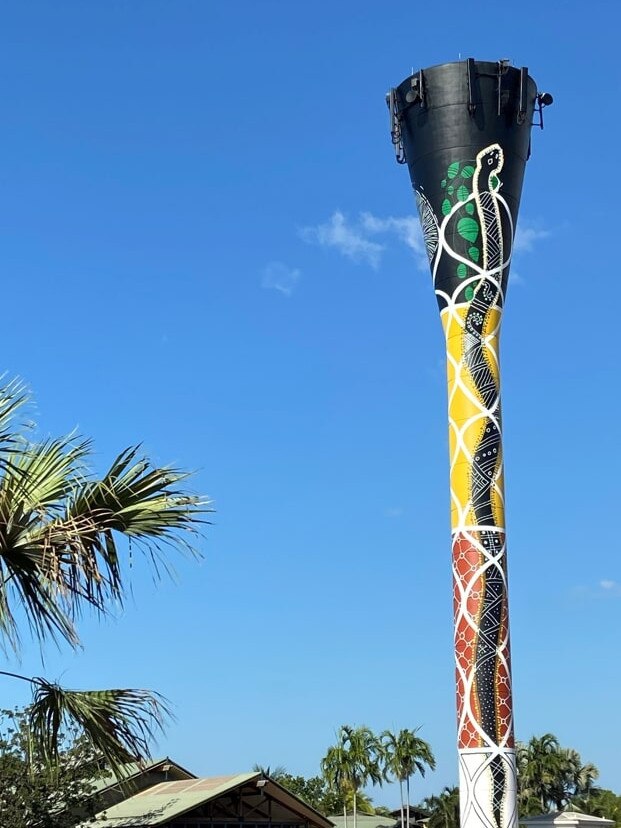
(165, 801)
(365, 821)
(133, 769)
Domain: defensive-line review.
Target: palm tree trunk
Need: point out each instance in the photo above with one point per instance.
(345, 813)
(401, 794)
(407, 800)
(355, 809)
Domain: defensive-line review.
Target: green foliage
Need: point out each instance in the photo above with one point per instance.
(277, 774)
(382, 810)
(316, 792)
(61, 552)
(600, 802)
(353, 762)
(29, 796)
(443, 810)
(550, 776)
(406, 754)
(119, 724)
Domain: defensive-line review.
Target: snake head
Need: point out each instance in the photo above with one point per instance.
(492, 159)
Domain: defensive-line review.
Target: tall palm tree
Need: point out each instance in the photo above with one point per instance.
(335, 766)
(538, 767)
(351, 764)
(573, 780)
(405, 754)
(365, 751)
(550, 776)
(59, 554)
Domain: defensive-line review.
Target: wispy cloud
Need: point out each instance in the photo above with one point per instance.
(605, 588)
(366, 238)
(405, 228)
(526, 236)
(280, 277)
(349, 239)
(393, 512)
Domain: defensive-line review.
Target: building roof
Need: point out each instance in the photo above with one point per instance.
(365, 821)
(168, 800)
(165, 801)
(567, 819)
(133, 770)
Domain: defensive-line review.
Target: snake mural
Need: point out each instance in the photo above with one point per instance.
(464, 131)
(474, 236)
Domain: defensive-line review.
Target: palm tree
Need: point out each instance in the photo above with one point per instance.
(574, 779)
(365, 751)
(550, 776)
(59, 555)
(538, 767)
(443, 809)
(404, 755)
(335, 766)
(351, 764)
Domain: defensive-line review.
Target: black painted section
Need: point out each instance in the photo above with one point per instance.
(454, 116)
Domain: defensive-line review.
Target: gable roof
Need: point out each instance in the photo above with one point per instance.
(132, 771)
(166, 801)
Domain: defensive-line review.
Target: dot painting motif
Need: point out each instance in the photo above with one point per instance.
(472, 238)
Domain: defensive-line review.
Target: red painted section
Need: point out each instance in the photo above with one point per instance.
(468, 584)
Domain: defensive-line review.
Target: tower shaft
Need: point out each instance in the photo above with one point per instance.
(464, 131)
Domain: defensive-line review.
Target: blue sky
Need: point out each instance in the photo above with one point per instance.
(206, 246)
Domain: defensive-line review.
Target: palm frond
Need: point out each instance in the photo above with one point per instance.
(21, 584)
(13, 396)
(140, 500)
(119, 724)
(58, 528)
(42, 475)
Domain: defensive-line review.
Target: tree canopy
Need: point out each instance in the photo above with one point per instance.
(61, 553)
(551, 776)
(33, 798)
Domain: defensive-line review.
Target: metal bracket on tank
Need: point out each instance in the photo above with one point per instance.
(543, 99)
(503, 65)
(417, 89)
(395, 125)
(471, 70)
(521, 116)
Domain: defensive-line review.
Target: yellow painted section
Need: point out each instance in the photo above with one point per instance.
(467, 414)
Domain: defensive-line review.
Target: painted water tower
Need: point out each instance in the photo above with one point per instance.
(464, 131)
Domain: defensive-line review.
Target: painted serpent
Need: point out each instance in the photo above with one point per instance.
(480, 324)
